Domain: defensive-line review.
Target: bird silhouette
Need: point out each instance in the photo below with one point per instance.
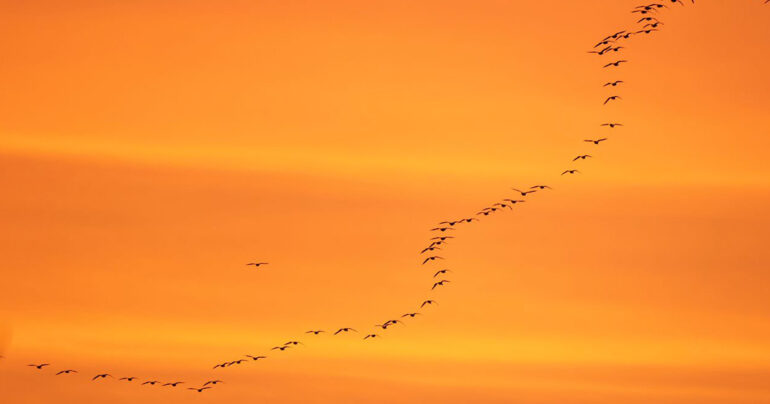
(428, 302)
(541, 187)
(525, 193)
(371, 336)
(514, 201)
(595, 141)
(412, 315)
(212, 382)
(439, 283)
(314, 332)
(101, 376)
(432, 258)
(40, 366)
(151, 382)
(612, 98)
(255, 358)
(199, 389)
(571, 172)
(583, 157)
(344, 329)
(612, 124)
(293, 343)
(281, 348)
(613, 83)
(441, 238)
(431, 248)
(442, 229)
(66, 372)
(173, 384)
(128, 379)
(615, 64)
(443, 271)
(257, 264)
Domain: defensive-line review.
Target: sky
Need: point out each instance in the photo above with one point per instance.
(149, 149)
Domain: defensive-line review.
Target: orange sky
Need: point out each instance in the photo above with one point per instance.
(148, 149)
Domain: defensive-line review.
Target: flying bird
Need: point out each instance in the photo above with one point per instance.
(412, 315)
(151, 382)
(66, 372)
(257, 264)
(595, 141)
(525, 193)
(254, 358)
(571, 172)
(371, 336)
(174, 384)
(101, 376)
(212, 382)
(443, 271)
(128, 379)
(432, 258)
(293, 343)
(281, 348)
(314, 332)
(344, 329)
(613, 83)
(442, 229)
(199, 390)
(583, 157)
(616, 64)
(428, 302)
(612, 98)
(441, 238)
(540, 187)
(431, 248)
(40, 366)
(612, 124)
(439, 283)
(514, 201)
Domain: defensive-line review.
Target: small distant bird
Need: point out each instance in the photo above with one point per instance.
(151, 382)
(293, 343)
(254, 358)
(174, 384)
(540, 187)
(613, 83)
(616, 64)
(503, 205)
(612, 124)
(345, 329)
(257, 264)
(525, 193)
(412, 315)
(281, 348)
(221, 365)
(101, 376)
(431, 248)
(442, 229)
(432, 258)
(612, 98)
(428, 302)
(583, 157)
(595, 141)
(128, 379)
(514, 201)
(40, 366)
(443, 271)
(371, 336)
(314, 332)
(571, 172)
(212, 382)
(199, 390)
(239, 361)
(66, 372)
(439, 283)
(646, 31)
(441, 238)
(486, 211)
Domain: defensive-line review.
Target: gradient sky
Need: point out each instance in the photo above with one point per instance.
(148, 149)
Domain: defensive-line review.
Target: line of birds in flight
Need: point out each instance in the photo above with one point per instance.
(647, 24)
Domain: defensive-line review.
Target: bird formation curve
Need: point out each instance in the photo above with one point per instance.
(647, 23)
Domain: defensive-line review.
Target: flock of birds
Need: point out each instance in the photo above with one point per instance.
(611, 44)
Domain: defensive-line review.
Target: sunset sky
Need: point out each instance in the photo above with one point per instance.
(149, 149)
